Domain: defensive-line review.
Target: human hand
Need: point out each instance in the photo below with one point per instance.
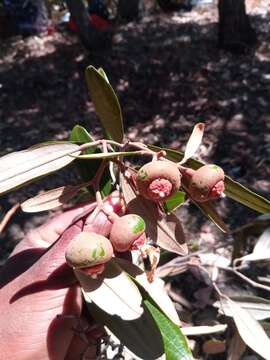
(36, 286)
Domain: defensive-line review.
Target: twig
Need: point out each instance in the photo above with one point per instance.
(244, 277)
(182, 259)
(8, 216)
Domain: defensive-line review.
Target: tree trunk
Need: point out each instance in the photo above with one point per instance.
(42, 20)
(235, 32)
(86, 31)
(130, 10)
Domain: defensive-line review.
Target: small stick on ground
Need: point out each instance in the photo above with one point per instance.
(8, 216)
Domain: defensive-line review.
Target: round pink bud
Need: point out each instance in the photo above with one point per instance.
(88, 250)
(206, 183)
(114, 204)
(158, 180)
(128, 233)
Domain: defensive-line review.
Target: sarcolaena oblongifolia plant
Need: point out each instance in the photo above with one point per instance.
(132, 213)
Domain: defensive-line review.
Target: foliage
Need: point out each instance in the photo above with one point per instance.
(142, 314)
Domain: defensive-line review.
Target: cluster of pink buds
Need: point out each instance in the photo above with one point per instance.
(90, 251)
(158, 180)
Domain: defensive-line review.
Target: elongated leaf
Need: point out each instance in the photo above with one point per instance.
(81, 135)
(106, 103)
(88, 169)
(118, 305)
(237, 347)
(203, 330)
(240, 193)
(249, 329)
(141, 337)
(50, 199)
(109, 292)
(155, 290)
(175, 201)
(175, 343)
(166, 231)
(266, 326)
(21, 167)
(261, 250)
(209, 210)
(193, 142)
(110, 155)
(258, 307)
(233, 189)
(102, 72)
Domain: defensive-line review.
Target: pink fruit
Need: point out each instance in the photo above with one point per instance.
(206, 183)
(88, 250)
(158, 180)
(128, 233)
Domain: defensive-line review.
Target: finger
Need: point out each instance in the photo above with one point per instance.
(50, 271)
(48, 233)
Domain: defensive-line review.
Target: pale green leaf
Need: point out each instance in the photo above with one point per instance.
(258, 307)
(209, 210)
(155, 290)
(51, 199)
(250, 330)
(109, 292)
(21, 167)
(115, 301)
(194, 142)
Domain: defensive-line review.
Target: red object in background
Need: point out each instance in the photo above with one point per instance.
(97, 21)
(50, 30)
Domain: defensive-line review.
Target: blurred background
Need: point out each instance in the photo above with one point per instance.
(172, 64)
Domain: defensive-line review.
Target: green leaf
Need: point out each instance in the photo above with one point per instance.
(51, 199)
(102, 72)
(233, 189)
(106, 103)
(240, 193)
(175, 201)
(114, 300)
(81, 135)
(175, 343)
(89, 168)
(154, 292)
(22, 167)
(209, 210)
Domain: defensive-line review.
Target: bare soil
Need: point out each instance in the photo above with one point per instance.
(169, 75)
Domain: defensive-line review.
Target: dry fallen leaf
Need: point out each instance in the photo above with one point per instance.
(250, 330)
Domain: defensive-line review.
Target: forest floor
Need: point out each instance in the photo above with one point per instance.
(169, 75)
